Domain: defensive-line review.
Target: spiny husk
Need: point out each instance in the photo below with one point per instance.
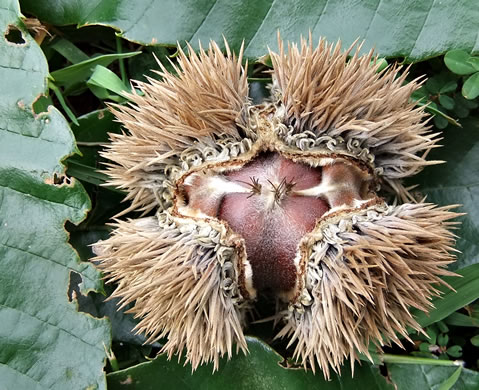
(183, 283)
(203, 103)
(327, 92)
(364, 274)
(365, 270)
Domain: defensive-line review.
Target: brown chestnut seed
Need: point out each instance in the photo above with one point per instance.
(272, 202)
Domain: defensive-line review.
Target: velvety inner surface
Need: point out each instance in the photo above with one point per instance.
(272, 202)
(272, 228)
(272, 219)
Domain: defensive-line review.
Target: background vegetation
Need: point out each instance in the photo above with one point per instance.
(61, 61)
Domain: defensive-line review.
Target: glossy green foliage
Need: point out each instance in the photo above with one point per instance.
(461, 63)
(45, 343)
(261, 369)
(415, 29)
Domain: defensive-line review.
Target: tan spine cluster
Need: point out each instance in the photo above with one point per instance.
(364, 271)
(341, 94)
(205, 160)
(207, 101)
(183, 282)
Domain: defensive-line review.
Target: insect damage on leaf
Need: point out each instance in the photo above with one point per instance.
(279, 198)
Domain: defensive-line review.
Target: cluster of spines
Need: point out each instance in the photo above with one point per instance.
(371, 275)
(175, 279)
(204, 101)
(341, 94)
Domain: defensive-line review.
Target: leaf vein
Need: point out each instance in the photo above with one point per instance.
(203, 21)
(261, 25)
(422, 28)
(48, 259)
(52, 325)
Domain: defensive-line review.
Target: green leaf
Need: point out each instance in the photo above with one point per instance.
(433, 85)
(469, 104)
(447, 102)
(63, 103)
(432, 333)
(68, 50)
(450, 86)
(381, 64)
(432, 108)
(455, 351)
(475, 340)
(94, 127)
(424, 347)
(457, 182)
(104, 78)
(440, 122)
(458, 62)
(442, 339)
(259, 370)
(474, 61)
(45, 343)
(466, 291)
(91, 134)
(470, 89)
(459, 319)
(78, 73)
(87, 173)
(418, 31)
(408, 377)
(442, 327)
(451, 381)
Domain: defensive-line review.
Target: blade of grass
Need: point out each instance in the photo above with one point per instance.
(406, 359)
(62, 102)
(121, 61)
(68, 50)
(467, 291)
(88, 174)
(451, 381)
(73, 75)
(459, 319)
(432, 108)
(104, 78)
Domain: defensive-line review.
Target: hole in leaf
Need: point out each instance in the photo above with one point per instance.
(85, 303)
(74, 286)
(14, 35)
(41, 104)
(58, 180)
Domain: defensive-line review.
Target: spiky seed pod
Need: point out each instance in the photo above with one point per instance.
(280, 199)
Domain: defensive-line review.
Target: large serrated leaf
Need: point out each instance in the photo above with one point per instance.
(415, 29)
(259, 370)
(44, 341)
